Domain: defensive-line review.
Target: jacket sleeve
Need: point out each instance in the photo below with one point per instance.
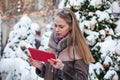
(79, 71)
(41, 72)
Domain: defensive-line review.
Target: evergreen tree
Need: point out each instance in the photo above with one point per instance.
(99, 27)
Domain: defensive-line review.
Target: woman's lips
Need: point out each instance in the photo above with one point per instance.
(57, 34)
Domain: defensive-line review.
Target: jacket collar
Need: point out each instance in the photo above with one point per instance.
(57, 47)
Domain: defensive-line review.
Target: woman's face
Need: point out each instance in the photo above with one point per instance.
(61, 27)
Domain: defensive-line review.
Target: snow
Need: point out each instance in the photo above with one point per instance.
(111, 31)
(95, 68)
(108, 61)
(111, 73)
(35, 27)
(115, 7)
(102, 32)
(117, 29)
(77, 15)
(45, 40)
(49, 27)
(61, 5)
(96, 3)
(91, 39)
(75, 3)
(107, 47)
(102, 15)
(117, 49)
(17, 69)
(89, 24)
(25, 21)
(14, 62)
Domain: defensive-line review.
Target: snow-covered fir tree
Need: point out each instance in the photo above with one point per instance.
(45, 37)
(14, 63)
(99, 21)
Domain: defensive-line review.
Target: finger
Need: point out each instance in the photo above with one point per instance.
(30, 59)
(55, 60)
(28, 54)
(52, 62)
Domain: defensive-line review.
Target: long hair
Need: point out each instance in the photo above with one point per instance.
(76, 38)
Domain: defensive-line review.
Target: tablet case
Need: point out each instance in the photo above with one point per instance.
(41, 55)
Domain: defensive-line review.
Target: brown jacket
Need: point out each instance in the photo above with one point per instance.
(74, 66)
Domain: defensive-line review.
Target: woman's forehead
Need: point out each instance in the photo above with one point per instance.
(59, 20)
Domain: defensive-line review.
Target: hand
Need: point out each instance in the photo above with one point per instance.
(33, 62)
(56, 63)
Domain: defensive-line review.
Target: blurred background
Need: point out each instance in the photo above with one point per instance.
(29, 23)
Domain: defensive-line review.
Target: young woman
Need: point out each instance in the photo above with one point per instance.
(72, 52)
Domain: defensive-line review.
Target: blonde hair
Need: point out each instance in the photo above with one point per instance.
(76, 38)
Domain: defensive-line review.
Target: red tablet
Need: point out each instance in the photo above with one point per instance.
(41, 55)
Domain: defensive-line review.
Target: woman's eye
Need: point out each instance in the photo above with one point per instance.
(61, 26)
(55, 25)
